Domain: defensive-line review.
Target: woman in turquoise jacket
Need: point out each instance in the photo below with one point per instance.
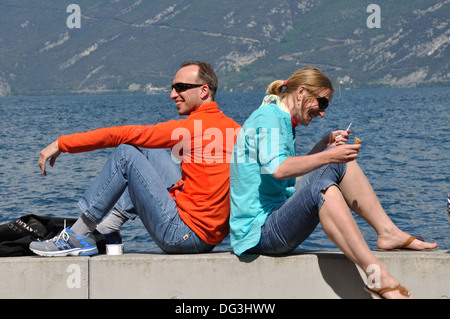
(278, 198)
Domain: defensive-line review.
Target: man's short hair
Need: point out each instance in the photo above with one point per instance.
(206, 73)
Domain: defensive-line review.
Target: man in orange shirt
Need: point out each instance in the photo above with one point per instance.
(183, 213)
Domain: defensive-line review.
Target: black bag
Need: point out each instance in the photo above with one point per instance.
(16, 236)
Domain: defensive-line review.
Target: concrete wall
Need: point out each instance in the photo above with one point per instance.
(216, 275)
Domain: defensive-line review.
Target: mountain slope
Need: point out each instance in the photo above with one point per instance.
(137, 46)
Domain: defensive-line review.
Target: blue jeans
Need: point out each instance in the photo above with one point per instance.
(137, 182)
(295, 220)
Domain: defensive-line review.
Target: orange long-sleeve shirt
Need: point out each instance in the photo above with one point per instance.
(203, 141)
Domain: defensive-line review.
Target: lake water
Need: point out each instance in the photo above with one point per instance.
(405, 154)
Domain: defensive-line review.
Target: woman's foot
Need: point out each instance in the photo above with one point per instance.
(394, 292)
(403, 241)
(387, 287)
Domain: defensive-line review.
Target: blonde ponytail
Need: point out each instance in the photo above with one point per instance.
(313, 79)
(276, 87)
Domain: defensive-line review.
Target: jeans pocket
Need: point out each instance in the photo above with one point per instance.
(184, 244)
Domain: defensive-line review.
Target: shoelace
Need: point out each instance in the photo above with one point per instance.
(63, 234)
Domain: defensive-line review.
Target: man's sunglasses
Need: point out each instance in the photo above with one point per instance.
(181, 87)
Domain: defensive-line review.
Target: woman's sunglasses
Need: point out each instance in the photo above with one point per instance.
(323, 101)
(181, 87)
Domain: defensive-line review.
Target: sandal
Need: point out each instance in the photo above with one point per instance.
(381, 291)
(405, 245)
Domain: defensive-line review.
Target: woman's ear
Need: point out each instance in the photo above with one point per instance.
(300, 93)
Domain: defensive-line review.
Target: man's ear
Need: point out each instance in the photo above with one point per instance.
(204, 93)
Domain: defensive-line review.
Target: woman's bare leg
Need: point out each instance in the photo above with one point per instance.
(361, 198)
(339, 225)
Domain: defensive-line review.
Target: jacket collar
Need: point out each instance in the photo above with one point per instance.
(207, 107)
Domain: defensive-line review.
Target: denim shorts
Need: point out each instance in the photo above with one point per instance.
(295, 220)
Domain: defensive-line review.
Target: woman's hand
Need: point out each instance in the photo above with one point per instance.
(339, 137)
(344, 153)
(335, 138)
(50, 152)
(295, 166)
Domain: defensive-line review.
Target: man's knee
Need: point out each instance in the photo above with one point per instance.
(126, 149)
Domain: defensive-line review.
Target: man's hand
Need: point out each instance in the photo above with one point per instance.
(50, 152)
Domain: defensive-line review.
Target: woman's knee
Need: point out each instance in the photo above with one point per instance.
(332, 191)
